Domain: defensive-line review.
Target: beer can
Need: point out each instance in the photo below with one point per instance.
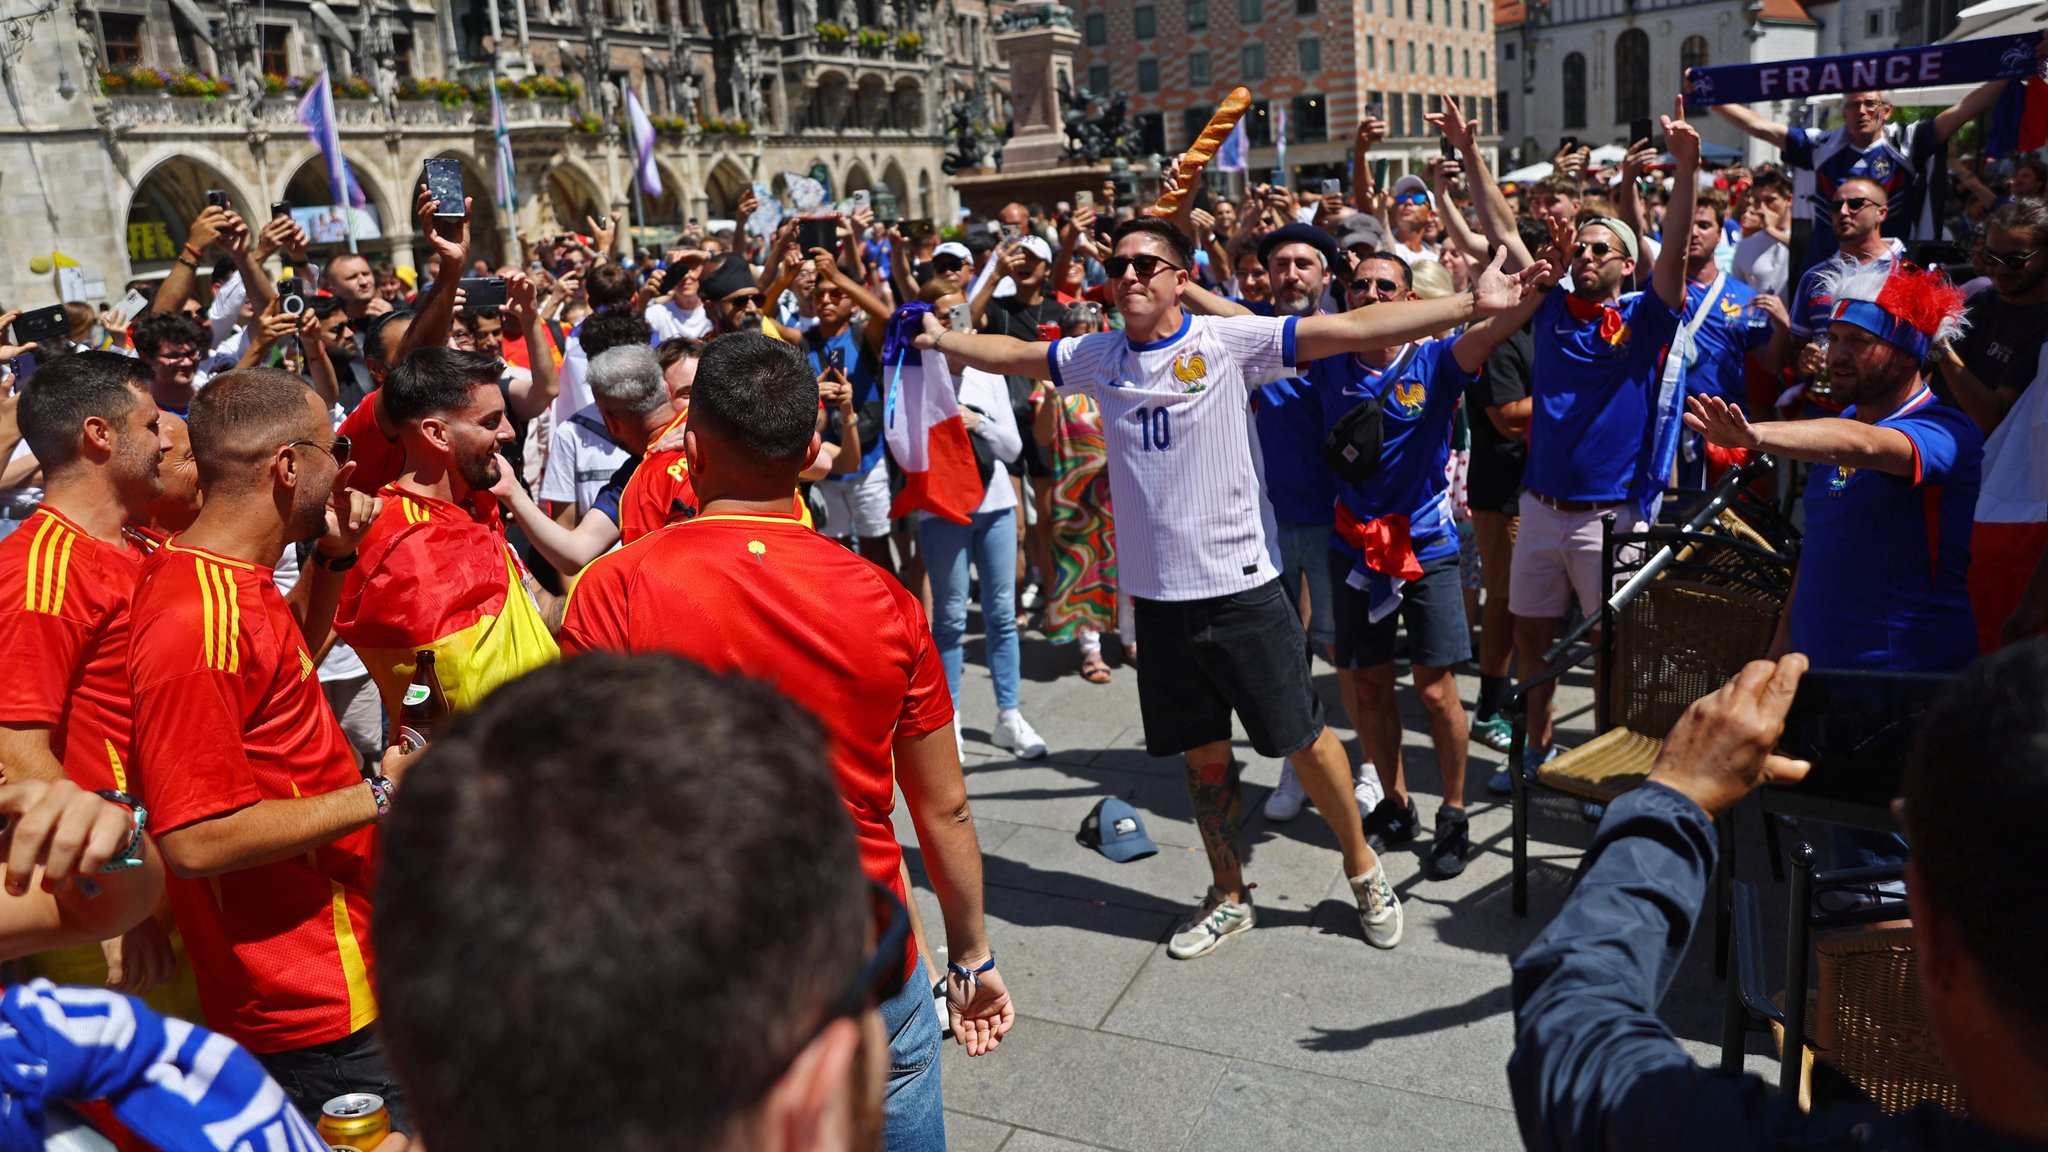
(357, 1120)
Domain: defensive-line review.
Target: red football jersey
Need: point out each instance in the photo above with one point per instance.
(64, 620)
(769, 598)
(659, 491)
(378, 460)
(229, 712)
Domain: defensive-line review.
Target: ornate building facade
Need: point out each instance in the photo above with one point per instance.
(123, 114)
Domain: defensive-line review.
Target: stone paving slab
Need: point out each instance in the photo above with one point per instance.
(1294, 1035)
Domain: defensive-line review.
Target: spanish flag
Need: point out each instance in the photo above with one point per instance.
(435, 575)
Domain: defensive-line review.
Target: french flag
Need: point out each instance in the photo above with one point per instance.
(923, 429)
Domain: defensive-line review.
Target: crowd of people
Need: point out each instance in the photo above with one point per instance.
(247, 535)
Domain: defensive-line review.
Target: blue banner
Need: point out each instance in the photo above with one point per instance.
(1965, 62)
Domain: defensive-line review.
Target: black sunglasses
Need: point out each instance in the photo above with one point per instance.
(947, 264)
(1599, 248)
(1147, 265)
(1852, 203)
(2011, 259)
(339, 448)
(1389, 287)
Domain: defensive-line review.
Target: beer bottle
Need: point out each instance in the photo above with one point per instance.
(424, 706)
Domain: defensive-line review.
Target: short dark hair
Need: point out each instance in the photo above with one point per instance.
(242, 413)
(1557, 184)
(676, 349)
(469, 316)
(1535, 234)
(614, 327)
(552, 837)
(1771, 181)
(1976, 792)
(373, 332)
(157, 329)
(1407, 273)
(61, 394)
(2023, 214)
(609, 284)
(435, 381)
(1183, 248)
(759, 392)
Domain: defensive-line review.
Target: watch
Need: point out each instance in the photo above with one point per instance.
(335, 563)
(131, 853)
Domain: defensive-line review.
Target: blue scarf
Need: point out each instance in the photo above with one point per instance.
(175, 1085)
(1964, 62)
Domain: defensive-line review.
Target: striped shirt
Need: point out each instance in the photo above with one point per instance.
(1185, 474)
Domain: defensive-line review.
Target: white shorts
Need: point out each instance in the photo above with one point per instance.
(856, 507)
(1557, 556)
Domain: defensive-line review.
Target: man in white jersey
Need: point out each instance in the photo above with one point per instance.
(1194, 537)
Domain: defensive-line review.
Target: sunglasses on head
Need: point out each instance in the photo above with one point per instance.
(1853, 203)
(2011, 259)
(1147, 265)
(1387, 287)
(1599, 248)
(339, 448)
(1412, 198)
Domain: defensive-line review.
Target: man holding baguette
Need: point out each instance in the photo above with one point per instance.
(1195, 535)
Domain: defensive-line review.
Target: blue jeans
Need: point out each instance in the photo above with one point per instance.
(1305, 551)
(990, 541)
(913, 1116)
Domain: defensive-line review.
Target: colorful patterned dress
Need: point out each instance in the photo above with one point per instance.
(1083, 532)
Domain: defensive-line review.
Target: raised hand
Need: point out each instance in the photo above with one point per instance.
(1722, 423)
(521, 299)
(349, 516)
(1721, 749)
(604, 233)
(1370, 132)
(1681, 139)
(1452, 123)
(10, 351)
(1497, 291)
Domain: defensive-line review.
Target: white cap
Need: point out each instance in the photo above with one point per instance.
(954, 248)
(1037, 246)
(1409, 183)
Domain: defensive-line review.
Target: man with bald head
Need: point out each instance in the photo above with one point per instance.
(1856, 216)
(254, 793)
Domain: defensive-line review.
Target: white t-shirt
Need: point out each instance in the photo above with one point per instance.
(581, 457)
(1762, 263)
(574, 395)
(669, 321)
(22, 502)
(1185, 474)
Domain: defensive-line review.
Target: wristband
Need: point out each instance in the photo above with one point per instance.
(380, 791)
(335, 563)
(131, 854)
(972, 975)
(188, 262)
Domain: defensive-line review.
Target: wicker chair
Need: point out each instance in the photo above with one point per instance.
(1679, 637)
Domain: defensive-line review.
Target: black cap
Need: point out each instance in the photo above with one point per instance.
(1299, 233)
(731, 275)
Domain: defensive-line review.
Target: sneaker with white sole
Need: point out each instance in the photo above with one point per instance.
(1217, 918)
(1287, 798)
(1379, 910)
(1495, 732)
(1015, 734)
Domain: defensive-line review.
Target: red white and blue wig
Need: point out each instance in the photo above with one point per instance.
(1907, 307)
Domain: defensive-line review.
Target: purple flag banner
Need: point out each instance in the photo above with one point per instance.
(1964, 62)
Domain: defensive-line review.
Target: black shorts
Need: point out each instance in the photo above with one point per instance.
(1204, 659)
(1433, 608)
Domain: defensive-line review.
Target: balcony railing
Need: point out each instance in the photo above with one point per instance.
(192, 113)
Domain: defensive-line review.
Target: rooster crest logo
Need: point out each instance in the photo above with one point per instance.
(1408, 397)
(1191, 370)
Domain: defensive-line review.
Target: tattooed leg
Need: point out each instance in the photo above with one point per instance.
(1218, 795)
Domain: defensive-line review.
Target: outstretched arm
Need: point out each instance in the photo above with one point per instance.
(1950, 120)
(1829, 440)
(1769, 131)
(1002, 355)
(1385, 325)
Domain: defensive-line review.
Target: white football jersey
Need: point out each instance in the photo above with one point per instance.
(1185, 477)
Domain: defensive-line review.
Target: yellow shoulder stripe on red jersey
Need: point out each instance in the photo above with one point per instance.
(415, 512)
(49, 566)
(220, 615)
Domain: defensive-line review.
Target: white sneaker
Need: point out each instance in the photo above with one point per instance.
(1216, 919)
(1286, 801)
(1028, 599)
(1015, 733)
(1379, 911)
(1368, 789)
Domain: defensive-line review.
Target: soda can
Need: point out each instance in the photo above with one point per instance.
(358, 1120)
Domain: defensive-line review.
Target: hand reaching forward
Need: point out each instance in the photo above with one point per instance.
(1722, 423)
(1722, 748)
(1498, 291)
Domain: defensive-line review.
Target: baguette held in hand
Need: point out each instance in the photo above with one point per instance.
(1204, 148)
